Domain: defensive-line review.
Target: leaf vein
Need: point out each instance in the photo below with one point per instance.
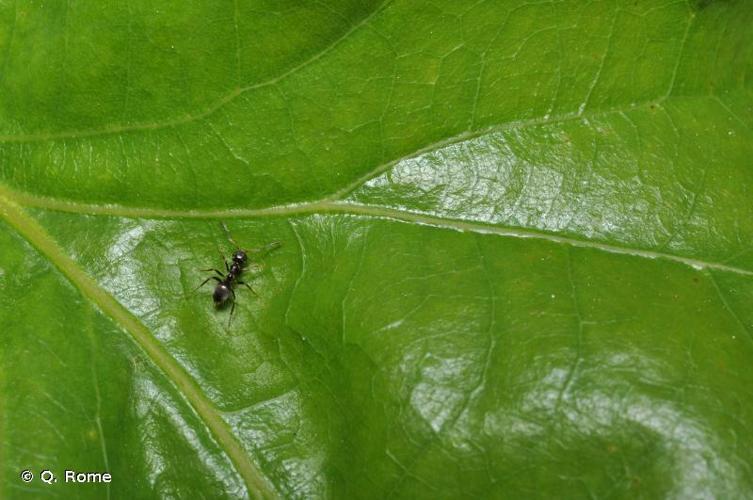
(30, 229)
(728, 306)
(334, 207)
(208, 111)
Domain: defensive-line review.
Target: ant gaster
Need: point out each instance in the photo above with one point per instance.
(223, 291)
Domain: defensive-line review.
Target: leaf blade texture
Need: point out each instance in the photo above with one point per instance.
(516, 254)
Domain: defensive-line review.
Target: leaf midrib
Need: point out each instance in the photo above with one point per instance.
(335, 203)
(348, 208)
(28, 227)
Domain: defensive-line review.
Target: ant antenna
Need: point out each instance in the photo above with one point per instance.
(229, 237)
(266, 249)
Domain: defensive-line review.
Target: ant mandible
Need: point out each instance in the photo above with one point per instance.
(223, 291)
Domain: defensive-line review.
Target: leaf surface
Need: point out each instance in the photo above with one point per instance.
(516, 254)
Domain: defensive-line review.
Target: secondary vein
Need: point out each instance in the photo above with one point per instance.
(348, 208)
(212, 108)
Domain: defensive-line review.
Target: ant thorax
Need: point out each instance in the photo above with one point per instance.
(235, 268)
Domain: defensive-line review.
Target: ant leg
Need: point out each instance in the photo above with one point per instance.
(213, 269)
(205, 282)
(224, 259)
(247, 286)
(232, 310)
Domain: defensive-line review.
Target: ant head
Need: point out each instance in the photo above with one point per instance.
(239, 256)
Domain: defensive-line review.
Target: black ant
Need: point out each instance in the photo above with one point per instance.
(223, 291)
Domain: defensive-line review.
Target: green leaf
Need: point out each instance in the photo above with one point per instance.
(516, 258)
